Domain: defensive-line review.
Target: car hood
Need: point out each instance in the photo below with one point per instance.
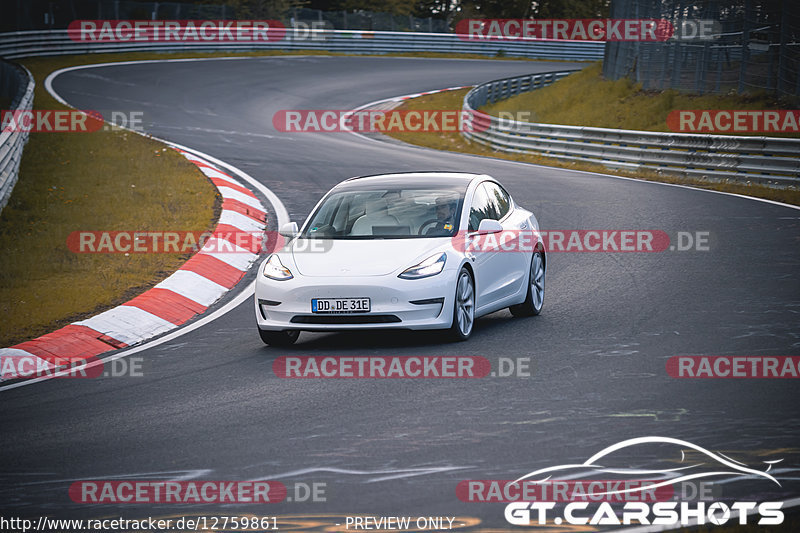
(375, 257)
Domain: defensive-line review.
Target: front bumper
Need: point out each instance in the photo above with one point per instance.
(286, 305)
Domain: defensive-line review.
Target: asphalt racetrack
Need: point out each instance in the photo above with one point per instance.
(208, 405)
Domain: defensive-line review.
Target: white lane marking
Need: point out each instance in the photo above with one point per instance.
(281, 214)
(128, 324)
(233, 194)
(414, 146)
(193, 286)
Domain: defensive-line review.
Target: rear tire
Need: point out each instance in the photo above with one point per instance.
(279, 338)
(463, 307)
(534, 300)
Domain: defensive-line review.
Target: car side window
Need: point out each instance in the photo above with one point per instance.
(499, 199)
(481, 208)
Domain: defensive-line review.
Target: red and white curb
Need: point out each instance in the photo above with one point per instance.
(200, 282)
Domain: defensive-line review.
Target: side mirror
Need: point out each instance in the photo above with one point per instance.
(289, 230)
(489, 225)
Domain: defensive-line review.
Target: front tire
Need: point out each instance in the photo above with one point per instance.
(279, 338)
(463, 307)
(534, 300)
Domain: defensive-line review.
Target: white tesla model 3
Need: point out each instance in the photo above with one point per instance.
(402, 251)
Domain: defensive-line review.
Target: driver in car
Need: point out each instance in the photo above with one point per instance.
(445, 213)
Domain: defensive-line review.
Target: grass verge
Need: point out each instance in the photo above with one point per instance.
(454, 142)
(586, 99)
(105, 180)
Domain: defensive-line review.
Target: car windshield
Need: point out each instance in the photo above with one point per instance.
(387, 213)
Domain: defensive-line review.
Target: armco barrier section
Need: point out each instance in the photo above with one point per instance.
(768, 160)
(17, 84)
(58, 42)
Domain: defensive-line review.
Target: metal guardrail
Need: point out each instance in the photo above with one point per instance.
(17, 83)
(58, 42)
(768, 160)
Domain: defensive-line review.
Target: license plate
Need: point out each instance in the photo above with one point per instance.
(340, 305)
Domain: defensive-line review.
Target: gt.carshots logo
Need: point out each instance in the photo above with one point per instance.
(592, 504)
(565, 29)
(176, 30)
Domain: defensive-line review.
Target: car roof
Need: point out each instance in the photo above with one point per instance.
(399, 179)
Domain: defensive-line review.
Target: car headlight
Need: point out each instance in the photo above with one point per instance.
(430, 267)
(274, 269)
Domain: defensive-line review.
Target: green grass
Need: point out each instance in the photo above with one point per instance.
(106, 180)
(455, 142)
(586, 99)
